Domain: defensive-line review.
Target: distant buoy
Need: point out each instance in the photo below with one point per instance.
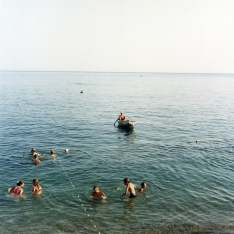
(81, 91)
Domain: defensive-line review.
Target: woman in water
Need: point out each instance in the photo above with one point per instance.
(18, 189)
(97, 193)
(36, 186)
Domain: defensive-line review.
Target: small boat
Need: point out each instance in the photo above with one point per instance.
(127, 123)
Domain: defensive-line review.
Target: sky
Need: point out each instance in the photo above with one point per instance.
(187, 36)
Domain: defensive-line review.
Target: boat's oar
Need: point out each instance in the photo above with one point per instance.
(115, 121)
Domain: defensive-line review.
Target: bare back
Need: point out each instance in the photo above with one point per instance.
(131, 188)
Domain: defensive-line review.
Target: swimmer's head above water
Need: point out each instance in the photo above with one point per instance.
(19, 183)
(126, 180)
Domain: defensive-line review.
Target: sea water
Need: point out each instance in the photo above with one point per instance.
(189, 182)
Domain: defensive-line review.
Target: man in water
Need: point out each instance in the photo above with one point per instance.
(122, 117)
(130, 187)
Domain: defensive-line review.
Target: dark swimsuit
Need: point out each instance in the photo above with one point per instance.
(132, 195)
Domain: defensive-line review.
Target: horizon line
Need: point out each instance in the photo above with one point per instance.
(117, 72)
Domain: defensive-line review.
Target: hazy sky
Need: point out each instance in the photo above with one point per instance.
(117, 35)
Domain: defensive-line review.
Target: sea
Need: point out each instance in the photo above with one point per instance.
(182, 146)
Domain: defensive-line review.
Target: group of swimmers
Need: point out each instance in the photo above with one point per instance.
(130, 187)
(18, 189)
(37, 155)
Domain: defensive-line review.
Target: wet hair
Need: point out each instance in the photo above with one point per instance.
(142, 184)
(33, 150)
(35, 181)
(126, 180)
(94, 187)
(20, 183)
(52, 152)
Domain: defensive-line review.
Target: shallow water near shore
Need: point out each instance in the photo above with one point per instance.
(189, 183)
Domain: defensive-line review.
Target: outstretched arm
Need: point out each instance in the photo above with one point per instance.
(126, 191)
(9, 190)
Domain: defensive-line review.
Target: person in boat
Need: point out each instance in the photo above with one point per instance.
(36, 159)
(122, 117)
(143, 186)
(36, 186)
(130, 187)
(97, 193)
(18, 189)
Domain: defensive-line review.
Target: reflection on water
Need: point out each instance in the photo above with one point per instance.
(126, 130)
(129, 206)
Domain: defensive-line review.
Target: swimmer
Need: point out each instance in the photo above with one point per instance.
(143, 186)
(33, 151)
(52, 153)
(66, 150)
(130, 187)
(18, 189)
(36, 186)
(36, 160)
(97, 193)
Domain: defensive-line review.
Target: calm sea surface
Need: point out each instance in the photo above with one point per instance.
(190, 185)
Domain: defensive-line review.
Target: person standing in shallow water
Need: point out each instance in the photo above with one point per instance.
(130, 187)
(36, 186)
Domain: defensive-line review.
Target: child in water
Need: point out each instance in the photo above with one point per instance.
(143, 186)
(36, 159)
(36, 186)
(18, 189)
(97, 193)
